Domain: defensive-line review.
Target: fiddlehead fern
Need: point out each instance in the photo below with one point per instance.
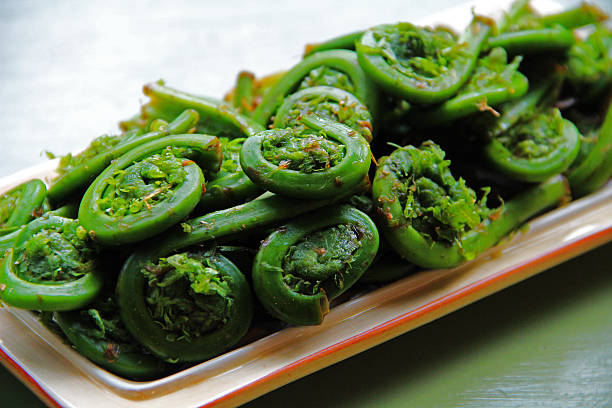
(423, 65)
(324, 160)
(342, 42)
(536, 148)
(493, 82)
(249, 91)
(84, 168)
(189, 306)
(521, 16)
(311, 260)
(21, 204)
(99, 334)
(328, 102)
(229, 186)
(51, 266)
(215, 117)
(441, 222)
(435, 220)
(244, 96)
(556, 39)
(595, 167)
(337, 68)
(523, 31)
(589, 65)
(149, 189)
(529, 140)
(7, 241)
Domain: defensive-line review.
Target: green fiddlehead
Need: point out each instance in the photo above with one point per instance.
(229, 186)
(52, 265)
(311, 260)
(84, 168)
(421, 64)
(149, 189)
(324, 160)
(595, 167)
(328, 102)
(536, 148)
(342, 42)
(337, 68)
(493, 82)
(521, 16)
(555, 39)
(21, 204)
(215, 117)
(98, 333)
(434, 220)
(189, 306)
(589, 65)
(523, 31)
(185, 303)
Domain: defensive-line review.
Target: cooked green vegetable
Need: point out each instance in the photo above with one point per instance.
(590, 64)
(21, 204)
(284, 163)
(244, 98)
(324, 160)
(523, 31)
(188, 306)
(229, 186)
(421, 64)
(342, 42)
(536, 148)
(596, 166)
(215, 117)
(434, 220)
(547, 40)
(83, 170)
(521, 16)
(337, 68)
(51, 266)
(328, 102)
(492, 83)
(149, 189)
(99, 334)
(311, 260)
(7, 241)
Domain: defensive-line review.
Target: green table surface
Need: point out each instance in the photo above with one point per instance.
(545, 342)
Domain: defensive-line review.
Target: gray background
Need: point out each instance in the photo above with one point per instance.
(70, 70)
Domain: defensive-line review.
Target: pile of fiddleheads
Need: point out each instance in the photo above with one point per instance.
(180, 237)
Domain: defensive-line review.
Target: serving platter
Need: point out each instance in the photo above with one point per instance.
(61, 377)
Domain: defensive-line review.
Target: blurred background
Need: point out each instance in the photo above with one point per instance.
(71, 70)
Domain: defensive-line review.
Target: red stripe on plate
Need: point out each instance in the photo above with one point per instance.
(29, 381)
(453, 297)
